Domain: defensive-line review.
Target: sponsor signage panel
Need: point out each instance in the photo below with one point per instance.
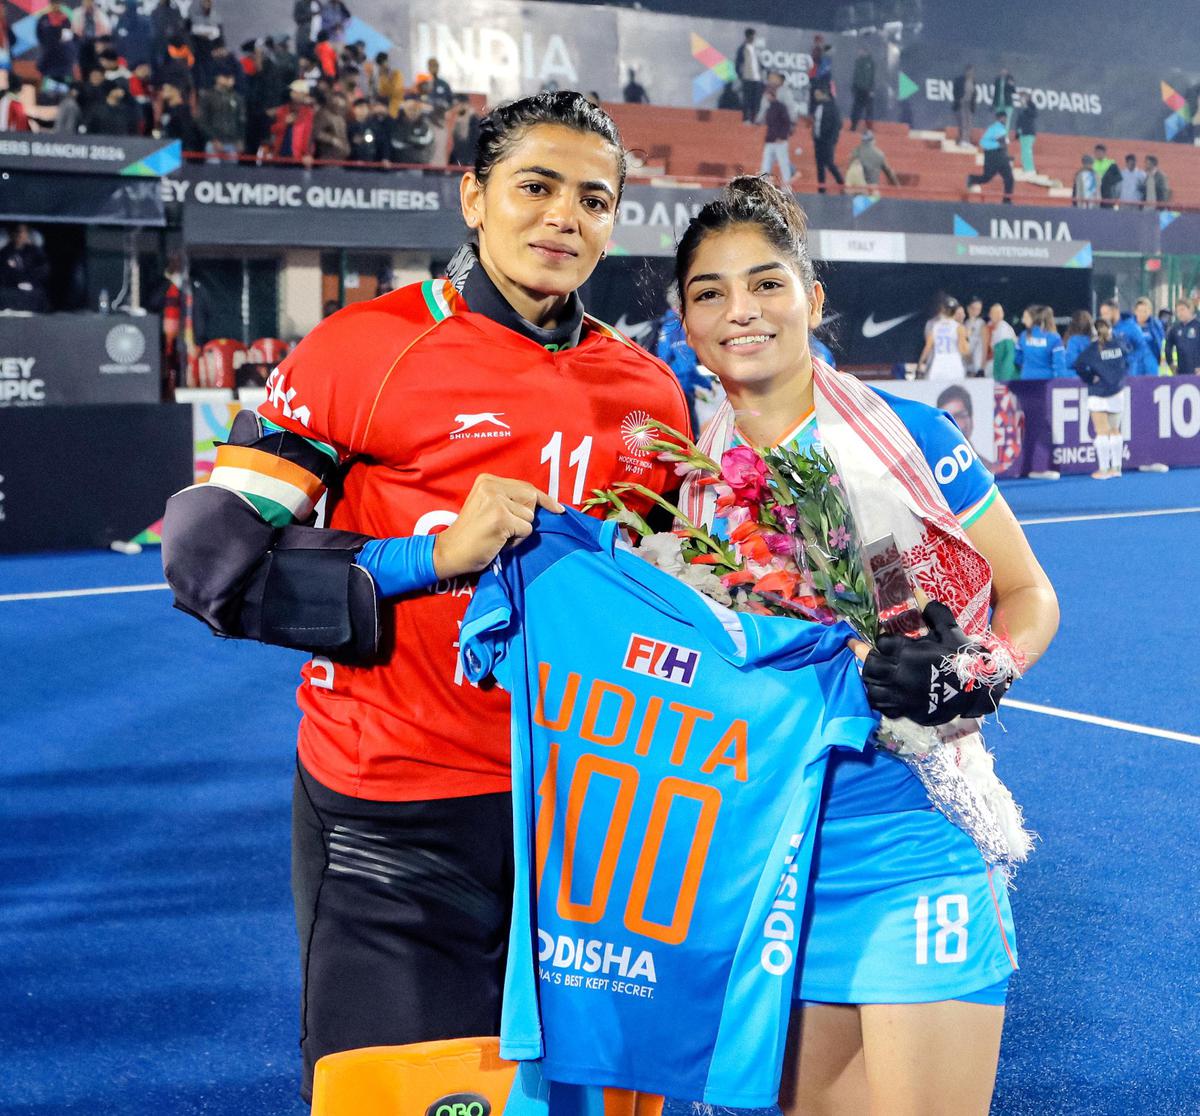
(971, 403)
(1160, 421)
(79, 199)
(327, 207)
(55, 359)
(861, 246)
(127, 156)
(85, 476)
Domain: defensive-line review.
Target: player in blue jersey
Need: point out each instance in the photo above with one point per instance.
(668, 761)
(1040, 353)
(908, 944)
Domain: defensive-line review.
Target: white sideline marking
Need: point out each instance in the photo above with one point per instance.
(82, 592)
(1106, 722)
(1109, 515)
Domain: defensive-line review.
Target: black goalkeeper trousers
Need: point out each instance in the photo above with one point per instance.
(402, 911)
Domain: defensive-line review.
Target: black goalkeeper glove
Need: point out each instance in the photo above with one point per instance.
(916, 678)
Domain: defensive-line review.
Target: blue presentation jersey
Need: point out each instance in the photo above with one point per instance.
(668, 759)
(876, 781)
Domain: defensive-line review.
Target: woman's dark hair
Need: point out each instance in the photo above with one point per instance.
(506, 125)
(1081, 324)
(750, 200)
(1103, 331)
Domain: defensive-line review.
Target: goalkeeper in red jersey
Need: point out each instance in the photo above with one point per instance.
(436, 419)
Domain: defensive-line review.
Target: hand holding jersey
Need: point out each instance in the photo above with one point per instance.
(497, 511)
(918, 679)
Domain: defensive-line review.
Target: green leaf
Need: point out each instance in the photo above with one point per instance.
(650, 494)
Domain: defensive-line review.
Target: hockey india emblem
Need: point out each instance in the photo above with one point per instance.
(125, 344)
(634, 432)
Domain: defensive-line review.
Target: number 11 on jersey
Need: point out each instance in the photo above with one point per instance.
(552, 456)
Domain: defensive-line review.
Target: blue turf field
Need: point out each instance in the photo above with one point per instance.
(148, 954)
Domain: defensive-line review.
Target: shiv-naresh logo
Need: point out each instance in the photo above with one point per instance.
(467, 426)
(667, 661)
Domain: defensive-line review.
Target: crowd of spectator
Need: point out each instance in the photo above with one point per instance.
(1101, 181)
(309, 96)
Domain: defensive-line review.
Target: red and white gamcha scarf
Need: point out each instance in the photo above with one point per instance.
(892, 491)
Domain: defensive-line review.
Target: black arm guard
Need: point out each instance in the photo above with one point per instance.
(295, 587)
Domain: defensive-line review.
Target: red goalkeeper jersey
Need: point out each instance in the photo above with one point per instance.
(417, 395)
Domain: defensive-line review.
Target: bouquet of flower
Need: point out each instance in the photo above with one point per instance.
(790, 546)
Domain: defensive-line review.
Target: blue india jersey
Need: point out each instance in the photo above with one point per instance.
(668, 758)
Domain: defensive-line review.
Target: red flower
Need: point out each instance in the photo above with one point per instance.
(738, 577)
(746, 473)
(744, 531)
(778, 581)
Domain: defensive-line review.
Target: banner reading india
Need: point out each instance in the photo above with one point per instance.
(718, 72)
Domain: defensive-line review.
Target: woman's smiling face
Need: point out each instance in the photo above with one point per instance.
(745, 308)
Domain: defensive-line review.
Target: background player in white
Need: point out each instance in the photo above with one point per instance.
(925, 1037)
(946, 344)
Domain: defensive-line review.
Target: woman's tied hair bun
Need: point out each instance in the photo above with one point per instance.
(751, 200)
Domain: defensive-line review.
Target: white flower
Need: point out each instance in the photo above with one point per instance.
(664, 552)
(703, 580)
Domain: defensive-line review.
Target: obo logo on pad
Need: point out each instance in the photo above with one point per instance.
(661, 660)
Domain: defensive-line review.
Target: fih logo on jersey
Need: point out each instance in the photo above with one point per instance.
(486, 424)
(667, 661)
(460, 1104)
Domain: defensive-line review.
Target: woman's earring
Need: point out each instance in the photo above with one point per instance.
(604, 254)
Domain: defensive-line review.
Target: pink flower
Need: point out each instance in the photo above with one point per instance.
(839, 588)
(835, 481)
(788, 519)
(746, 474)
(780, 545)
(839, 537)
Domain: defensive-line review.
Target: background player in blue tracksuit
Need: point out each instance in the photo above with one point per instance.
(1080, 334)
(1154, 334)
(1040, 353)
(1143, 360)
(671, 347)
(1182, 351)
(1103, 366)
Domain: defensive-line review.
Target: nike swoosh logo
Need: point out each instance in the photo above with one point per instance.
(872, 328)
(632, 329)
